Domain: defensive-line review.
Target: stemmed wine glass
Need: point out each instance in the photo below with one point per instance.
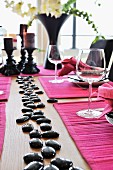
(91, 67)
(55, 56)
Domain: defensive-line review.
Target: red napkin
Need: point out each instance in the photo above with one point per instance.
(105, 91)
(70, 65)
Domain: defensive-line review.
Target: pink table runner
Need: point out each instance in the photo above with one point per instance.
(5, 83)
(63, 90)
(93, 137)
(2, 125)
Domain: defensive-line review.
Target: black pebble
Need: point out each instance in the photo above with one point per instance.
(35, 99)
(43, 120)
(21, 91)
(50, 167)
(62, 163)
(28, 102)
(27, 127)
(48, 152)
(50, 134)
(39, 92)
(36, 143)
(22, 119)
(35, 134)
(110, 114)
(32, 106)
(35, 165)
(35, 117)
(53, 143)
(25, 99)
(28, 114)
(29, 157)
(40, 105)
(26, 109)
(51, 100)
(75, 168)
(40, 112)
(45, 126)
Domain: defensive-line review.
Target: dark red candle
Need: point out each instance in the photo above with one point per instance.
(8, 43)
(29, 40)
(23, 28)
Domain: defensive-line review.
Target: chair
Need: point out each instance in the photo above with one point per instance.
(107, 45)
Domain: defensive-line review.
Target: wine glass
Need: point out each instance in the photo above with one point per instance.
(55, 56)
(91, 67)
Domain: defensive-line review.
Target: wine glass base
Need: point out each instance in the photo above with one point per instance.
(56, 81)
(92, 113)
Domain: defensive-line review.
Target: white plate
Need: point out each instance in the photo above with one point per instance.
(110, 120)
(76, 80)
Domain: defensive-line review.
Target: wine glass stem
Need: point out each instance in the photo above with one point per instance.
(55, 71)
(89, 99)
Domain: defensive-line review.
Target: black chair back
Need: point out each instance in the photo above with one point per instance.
(107, 45)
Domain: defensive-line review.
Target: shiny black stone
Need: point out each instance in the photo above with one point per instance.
(27, 127)
(36, 99)
(36, 88)
(48, 152)
(21, 86)
(38, 112)
(50, 134)
(43, 120)
(75, 168)
(22, 119)
(26, 99)
(32, 106)
(110, 114)
(62, 163)
(29, 157)
(53, 143)
(28, 93)
(45, 126)
(35, 165)
(36, 143)
(50, 167)
(52, 100)
(39, 92)
(28, 114)
(26, 109)
(40, 105)
(20, 82)
(35, 117)
(28, 102)
(35, 134)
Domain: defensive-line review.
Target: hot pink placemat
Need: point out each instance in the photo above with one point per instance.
(5, 83)
(2, 125)
(63, 90)
(93, 137)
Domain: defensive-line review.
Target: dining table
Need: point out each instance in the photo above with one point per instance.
(78, 142)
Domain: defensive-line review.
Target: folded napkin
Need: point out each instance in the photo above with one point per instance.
(70, 65)
(105, 91)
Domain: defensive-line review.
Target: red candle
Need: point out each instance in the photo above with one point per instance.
(23, 28)
(29, 40)
(8, 43)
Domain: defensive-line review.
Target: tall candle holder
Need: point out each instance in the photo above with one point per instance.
(22, 62)
(30, 66)
(10, 67)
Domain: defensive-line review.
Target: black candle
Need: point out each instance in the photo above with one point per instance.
(8, 43)
(29, 40)
(23, 28)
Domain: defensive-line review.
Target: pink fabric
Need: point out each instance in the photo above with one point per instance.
(93, 137)
(43, 72)
(105, 91)
(69, 65)
(2, 125)
(5, 83)
(63, 90)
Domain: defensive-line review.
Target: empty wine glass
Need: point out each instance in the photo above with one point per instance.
(91, 67)
(55, 56)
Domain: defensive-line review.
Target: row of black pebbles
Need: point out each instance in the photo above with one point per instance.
(31, 102)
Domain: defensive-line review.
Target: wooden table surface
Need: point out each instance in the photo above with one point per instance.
(16, 143)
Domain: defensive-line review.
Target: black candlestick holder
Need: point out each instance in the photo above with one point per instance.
(30, 66)
(22, 62)
(10, 67)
